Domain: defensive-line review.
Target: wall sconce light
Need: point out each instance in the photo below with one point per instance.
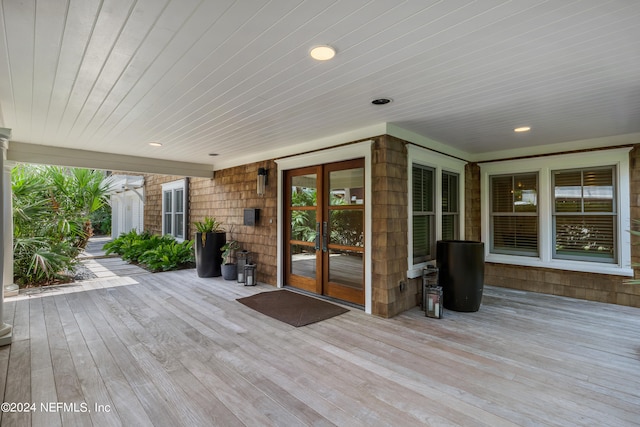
(262, 181)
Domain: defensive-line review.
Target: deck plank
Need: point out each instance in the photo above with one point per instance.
(172, 349)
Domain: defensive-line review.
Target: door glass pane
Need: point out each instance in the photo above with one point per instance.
(346, 187)
(303, 225)
(303, 190)
(303, 261)
(346, 268)
(347, 227)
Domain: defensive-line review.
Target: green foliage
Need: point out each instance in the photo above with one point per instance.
(303, 225)
(209, 225)
(157, 253)
(51, 223)
(303, 222)
(38, 262)
(169, 256)
(101, 220)
(228, 248)
(131, 246)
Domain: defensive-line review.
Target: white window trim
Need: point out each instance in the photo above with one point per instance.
(439, 162)
(544, 166)
(172, 186)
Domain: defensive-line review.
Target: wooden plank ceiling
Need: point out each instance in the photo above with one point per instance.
(234, 77)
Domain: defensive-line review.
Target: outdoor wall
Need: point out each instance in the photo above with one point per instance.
(232, 190)
(589, 286)
(472, 200)
(389, 244)
(226, 196)
(153, 201)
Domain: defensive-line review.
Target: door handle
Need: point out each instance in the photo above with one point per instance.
(317, 236)
(325, 239)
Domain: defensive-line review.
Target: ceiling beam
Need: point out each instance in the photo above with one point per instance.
(43, 154)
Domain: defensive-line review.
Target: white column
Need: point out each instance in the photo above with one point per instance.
(6, 241)
(10, 288)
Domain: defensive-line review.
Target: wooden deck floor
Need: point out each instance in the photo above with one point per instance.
(171, 349)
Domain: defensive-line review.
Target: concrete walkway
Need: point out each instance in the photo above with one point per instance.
(94, 259)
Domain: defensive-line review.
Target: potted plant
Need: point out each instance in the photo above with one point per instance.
(229, 268)
(210, 238)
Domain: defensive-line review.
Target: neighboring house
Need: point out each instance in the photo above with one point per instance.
(360, 220)
(126, 196)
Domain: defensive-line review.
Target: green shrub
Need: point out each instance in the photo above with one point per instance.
(101, 220)
(169, 256)
(157, 253)
(37, 261)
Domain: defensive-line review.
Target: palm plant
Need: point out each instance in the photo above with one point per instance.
(51, 208)
(75, 194)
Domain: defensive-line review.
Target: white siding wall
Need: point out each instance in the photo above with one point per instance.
(127, 212)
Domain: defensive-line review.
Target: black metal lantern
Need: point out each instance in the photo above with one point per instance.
(243, 259)
(431, 293)
(433, 306)
(250, 275)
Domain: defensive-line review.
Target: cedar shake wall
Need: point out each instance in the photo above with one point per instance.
(589, 286)
(472, 197)
(574, 284)
(234, 189)
(153, 201)
(226, 196)
(390, 230)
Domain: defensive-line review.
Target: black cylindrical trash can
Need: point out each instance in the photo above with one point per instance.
(461, 267)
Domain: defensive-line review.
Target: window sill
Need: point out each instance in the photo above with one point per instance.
(557, 264)
(415, 271)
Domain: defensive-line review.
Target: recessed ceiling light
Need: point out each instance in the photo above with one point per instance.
(322, 53)
(155, 144)
(213, 154)
(381, 101)
(522, 129)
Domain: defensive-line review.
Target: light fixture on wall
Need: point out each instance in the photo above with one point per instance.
(262, 181)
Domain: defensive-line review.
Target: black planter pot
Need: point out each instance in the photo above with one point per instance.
(209, 253)
(461, 273)
(230, 271)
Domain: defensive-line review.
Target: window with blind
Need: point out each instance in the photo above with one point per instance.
(514, 214)
(450, 209)
(173, 209)
(423, 193)
(585, 214)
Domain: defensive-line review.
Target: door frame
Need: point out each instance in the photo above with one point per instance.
(331, 155)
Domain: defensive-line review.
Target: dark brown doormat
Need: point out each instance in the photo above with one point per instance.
(291, 307)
